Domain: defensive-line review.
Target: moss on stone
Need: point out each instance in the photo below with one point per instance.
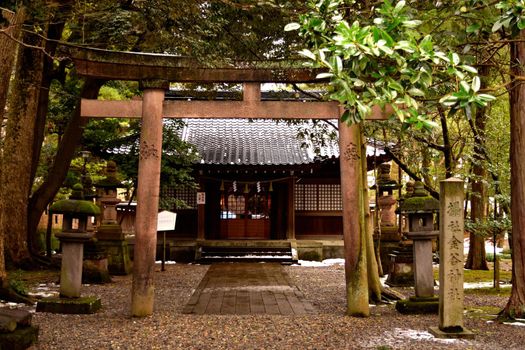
(310, 255)
(419, 204)
(73, 206)
(82, 305)
(418, 306)
(109, 182)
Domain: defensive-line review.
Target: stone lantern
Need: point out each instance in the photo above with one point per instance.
(109, 233)
(387, 234)
(420, 209)
(386, 201)
(76, 212)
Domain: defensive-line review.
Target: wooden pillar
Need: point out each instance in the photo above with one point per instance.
(290, 229)
(142, 293)
(251, 92)
(201, 215)
(353, 220)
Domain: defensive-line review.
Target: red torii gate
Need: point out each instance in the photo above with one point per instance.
(155, 72)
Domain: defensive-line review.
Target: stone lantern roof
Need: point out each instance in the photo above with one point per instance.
(419, 202)
(110, 181)
(75, 204)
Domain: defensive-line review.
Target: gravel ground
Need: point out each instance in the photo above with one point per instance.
(113, 328)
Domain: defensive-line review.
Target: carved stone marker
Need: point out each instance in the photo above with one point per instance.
(451, 262)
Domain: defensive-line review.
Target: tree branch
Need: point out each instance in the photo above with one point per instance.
(410, 173)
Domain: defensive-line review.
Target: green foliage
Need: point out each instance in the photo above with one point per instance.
(490, 256)
(501, 292)
(55, 243)
(489, 226)
(209, 31)
(513, 16)
(384, 60)
(118, 140)
(16, 282)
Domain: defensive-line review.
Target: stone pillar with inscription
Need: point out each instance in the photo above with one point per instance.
(451, 262)
(142, 292)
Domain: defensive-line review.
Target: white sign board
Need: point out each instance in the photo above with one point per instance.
(201, 197)
(166, 221)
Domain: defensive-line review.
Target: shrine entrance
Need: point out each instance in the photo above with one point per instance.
(155, 73)
(245, 214)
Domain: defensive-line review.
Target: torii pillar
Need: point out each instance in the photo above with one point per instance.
(354, 231)
(142, 291)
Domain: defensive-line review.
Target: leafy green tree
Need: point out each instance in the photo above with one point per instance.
(512, 25)
(377, 56)
(215, 31)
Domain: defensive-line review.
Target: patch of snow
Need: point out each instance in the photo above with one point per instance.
(521, 324)
(9, 304)
(489, 247)
(40, 294)
(324, 263)
(399, 336)
(383, 281)
(475, 285)
(168, 262)
(334, 261)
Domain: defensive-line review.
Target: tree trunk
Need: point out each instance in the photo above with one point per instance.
(354, 226)
(54, 33)
(7, 53)
(425, 166)
(65, 153)
(410, 173)
(15, 184)
(7, 58)
(476, 259)
(515, 307)
(447, 147)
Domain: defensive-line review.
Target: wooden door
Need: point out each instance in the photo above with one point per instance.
(245, 214)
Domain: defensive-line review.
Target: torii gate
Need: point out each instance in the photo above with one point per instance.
(155, 72)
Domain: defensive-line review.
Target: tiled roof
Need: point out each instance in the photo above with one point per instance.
(244, 142)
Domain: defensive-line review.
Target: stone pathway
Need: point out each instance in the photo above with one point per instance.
(247, 288)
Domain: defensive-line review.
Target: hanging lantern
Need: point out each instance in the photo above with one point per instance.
(222, 186)
(270, 189)
(246, 189)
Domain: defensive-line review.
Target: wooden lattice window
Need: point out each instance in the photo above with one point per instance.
(187, 194)
(318, 197)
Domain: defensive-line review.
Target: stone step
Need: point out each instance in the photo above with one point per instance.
(16, 332)
(10, 319)
(7, 324)
(245, 252)
(211, 260)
